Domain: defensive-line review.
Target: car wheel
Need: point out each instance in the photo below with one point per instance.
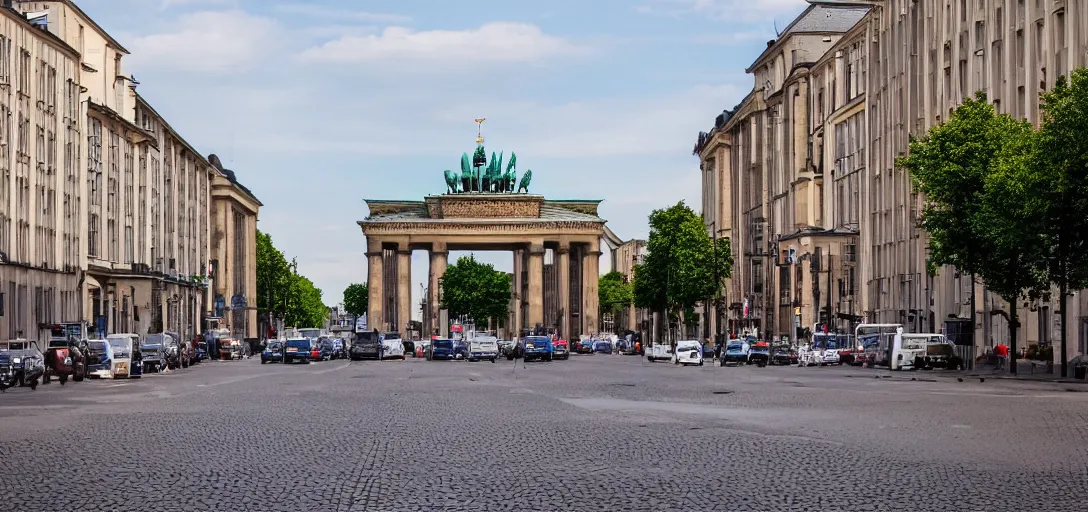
(33, 384)
(403, 357)
(63, 378)
(492, 359)
(78, 377)
(263, 361)
(45, 378)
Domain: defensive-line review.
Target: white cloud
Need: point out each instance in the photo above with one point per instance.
(207, 41)
(744, 11)
(339, 15)
(491, 42)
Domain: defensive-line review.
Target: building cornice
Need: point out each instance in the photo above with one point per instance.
(49, 37)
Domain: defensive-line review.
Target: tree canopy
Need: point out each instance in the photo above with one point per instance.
(284, 293)
(1062, 158)
(985, 200)
(475, 289)
(614, 293)
(679, 269)
(273, 277)
(356, 299)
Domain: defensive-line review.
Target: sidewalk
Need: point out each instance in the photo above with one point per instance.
(1025, 370)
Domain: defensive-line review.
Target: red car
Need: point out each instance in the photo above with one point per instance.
(561, 349)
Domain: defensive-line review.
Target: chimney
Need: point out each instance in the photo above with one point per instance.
(7, 4)
(770, 43)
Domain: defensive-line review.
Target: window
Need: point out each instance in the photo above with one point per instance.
(24, 72)
(94, 185)
(5, 60)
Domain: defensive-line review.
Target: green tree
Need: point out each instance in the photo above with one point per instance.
(356, 299)
(978, 218)
(305, 307)
(273, 278)
(475, 289)
(1063, 160)
(679, 269)
(614, 293)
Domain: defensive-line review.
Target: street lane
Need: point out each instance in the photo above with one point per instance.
(596, 432)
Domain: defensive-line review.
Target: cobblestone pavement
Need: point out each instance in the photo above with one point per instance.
(593, 433)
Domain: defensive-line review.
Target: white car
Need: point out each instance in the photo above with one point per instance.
(659, 352)
(483, 347)
(392, 348)
(688, 352)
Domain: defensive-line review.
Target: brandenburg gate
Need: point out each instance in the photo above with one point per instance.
(483, 210)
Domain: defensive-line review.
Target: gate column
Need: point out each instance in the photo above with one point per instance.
(536, 285)
(374, 318)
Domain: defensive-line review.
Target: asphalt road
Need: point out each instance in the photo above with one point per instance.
(593, 433)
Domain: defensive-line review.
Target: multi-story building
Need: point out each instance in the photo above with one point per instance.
(624, 258)
(41, 125)
(116, 232)
(900, 68)
(234, 252)
(764, 186)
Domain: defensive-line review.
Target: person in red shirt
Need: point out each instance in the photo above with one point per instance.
(1002, 353)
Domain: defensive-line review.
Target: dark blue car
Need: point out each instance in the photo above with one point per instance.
(538, 347)
(443, 349)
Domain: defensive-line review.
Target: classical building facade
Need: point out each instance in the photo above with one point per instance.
(112, 225)
(527, 225)
(901, 67)
(234, 252)
(41, 125)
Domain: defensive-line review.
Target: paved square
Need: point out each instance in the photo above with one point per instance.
(593, 433)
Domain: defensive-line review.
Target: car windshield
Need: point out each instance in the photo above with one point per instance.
(688, 346)
(443, 344)
(537, 341)
(119, 343)
(150, 346)
(275, 346)
(391, 335)
(298, 343)
(97, 346)
(734, 346)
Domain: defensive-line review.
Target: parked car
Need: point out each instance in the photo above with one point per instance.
(688, 352)
(99, 359)
(323, 350)
(442, 349)
(201, 350)
(231, 348)
(127, 356)
(484, 347)
(760, 354)
(184, 351)
(338, 350)
(366, 345)
(561, 349)
(21, 364)
(736, 352)
(272, 353)
(392, 346)
(538, 347)
(297, 350)
(783, 355)
(660, 352)
(171, 348)
(65, 358)
(602, 346)
(154, 354)
(583, 346)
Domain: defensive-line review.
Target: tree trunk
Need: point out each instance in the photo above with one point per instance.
(1014, 326)
(1063, 290)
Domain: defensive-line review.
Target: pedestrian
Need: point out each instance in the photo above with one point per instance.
(1002, 353)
